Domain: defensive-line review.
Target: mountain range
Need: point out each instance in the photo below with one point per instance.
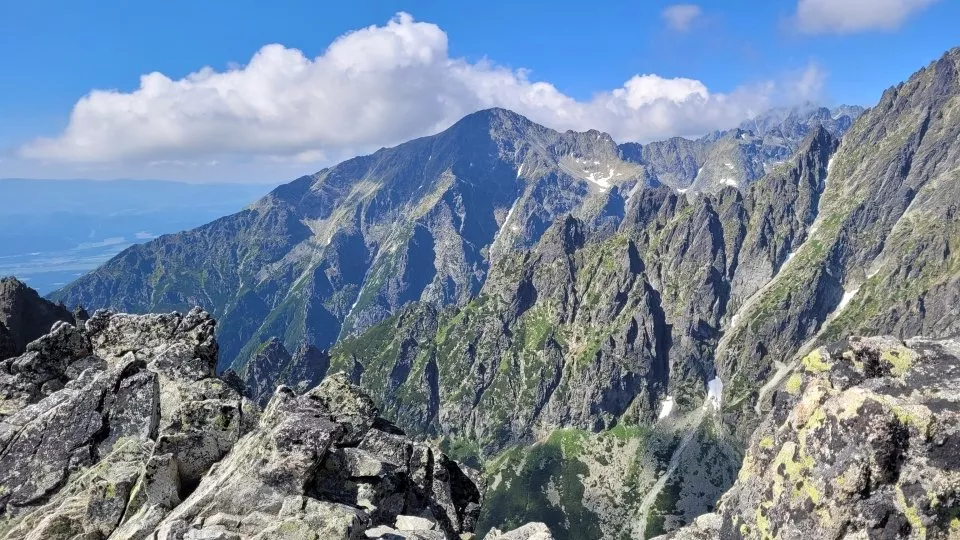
(333, 253)
(600, 327)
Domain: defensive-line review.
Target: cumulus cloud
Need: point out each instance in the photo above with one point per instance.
(373, 87)
(851, 16)
(680, 17)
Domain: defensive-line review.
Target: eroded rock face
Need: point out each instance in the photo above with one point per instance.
(863, 442)
(92, 416)
(323, 465)
(25, 316)
(120, 429)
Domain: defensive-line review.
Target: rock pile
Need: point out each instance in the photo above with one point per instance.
(120, 429)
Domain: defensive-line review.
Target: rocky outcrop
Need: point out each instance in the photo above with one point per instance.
(863, 442)
(530, 531)
(25, 316)
(96, 416)
(120, 429)
(322, 465)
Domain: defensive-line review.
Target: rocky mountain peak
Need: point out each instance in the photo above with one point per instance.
(796, 122)
(496, 120)
(25, 316)
(563, 238)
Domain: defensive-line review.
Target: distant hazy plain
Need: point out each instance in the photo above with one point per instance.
(54, 231)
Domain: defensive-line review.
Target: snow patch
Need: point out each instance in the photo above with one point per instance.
(666, 408)
(506, 220)
(729, 182)
(816, 224)
(728, 165)
(789, 256)
(603, 182)
(520, 170)
(847, 297)
(684, 190)
(714, 392)
(353, 306)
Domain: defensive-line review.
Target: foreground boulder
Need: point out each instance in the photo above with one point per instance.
(120, 429)
(863, 442)
(530, 531)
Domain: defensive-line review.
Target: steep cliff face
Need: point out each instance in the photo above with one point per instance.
(880, 257)
(120, 429)
(862, 442)
(272, 365)
(25, 316)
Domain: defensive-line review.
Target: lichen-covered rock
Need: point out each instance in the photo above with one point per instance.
(48, 364)
(322, 465)
(530, 531)
(120, 416)
(120, 429)
(863, 442)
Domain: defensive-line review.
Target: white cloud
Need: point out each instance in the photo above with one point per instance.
(850, 16)
(374, 87)
(805, 83)
(680, 17)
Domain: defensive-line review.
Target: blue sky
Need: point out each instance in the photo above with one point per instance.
(565, 64)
